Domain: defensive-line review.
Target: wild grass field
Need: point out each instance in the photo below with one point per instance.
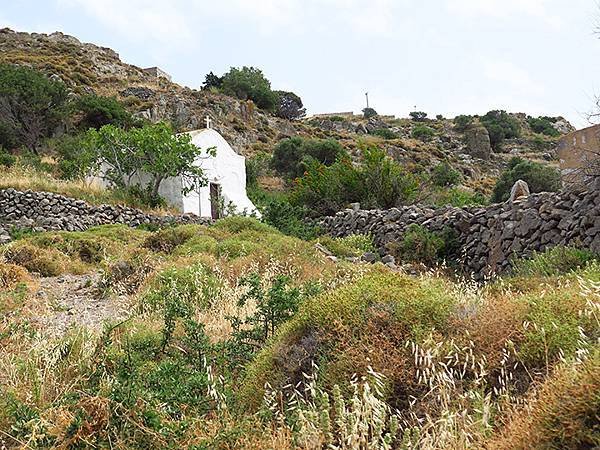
(236, 336)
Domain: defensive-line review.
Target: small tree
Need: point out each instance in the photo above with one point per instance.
(418, 116)
(250, 83)
(539, 177)
(289, 106)
(153, 150)
(463, 122)
(212, 81)
(500, 126)
(290, 156)
(98, 111)
(369, 112)
(31, 106)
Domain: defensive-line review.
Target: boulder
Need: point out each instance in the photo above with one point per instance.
(519, 190)
(477, 140)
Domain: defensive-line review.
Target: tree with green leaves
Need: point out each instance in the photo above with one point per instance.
(250, 83)
(212, 81)
(539, 177)
(152, 150)
(290, 156)
(98, 111)
(32, 106)
(500, 125)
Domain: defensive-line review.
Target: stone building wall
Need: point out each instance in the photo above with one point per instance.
(46, 211)
(488, 237)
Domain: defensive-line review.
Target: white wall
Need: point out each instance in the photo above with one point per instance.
(226, 168)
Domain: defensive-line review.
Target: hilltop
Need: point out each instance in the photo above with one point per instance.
(87, 68)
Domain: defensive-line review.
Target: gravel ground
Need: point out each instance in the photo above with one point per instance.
(70, 301)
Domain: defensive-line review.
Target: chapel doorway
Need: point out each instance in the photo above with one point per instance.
(215, 200)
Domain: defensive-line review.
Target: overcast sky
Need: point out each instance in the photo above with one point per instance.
(442, 56)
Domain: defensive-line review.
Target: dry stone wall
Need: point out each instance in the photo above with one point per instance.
(488, 237)
(45, 211)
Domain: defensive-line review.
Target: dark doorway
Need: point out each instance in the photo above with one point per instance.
(215, 200)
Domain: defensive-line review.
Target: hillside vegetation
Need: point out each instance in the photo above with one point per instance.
(267, 334)
(238, 336)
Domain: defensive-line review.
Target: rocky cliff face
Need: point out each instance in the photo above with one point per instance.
(88, 68)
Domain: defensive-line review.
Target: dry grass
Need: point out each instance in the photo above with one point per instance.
(26, 178)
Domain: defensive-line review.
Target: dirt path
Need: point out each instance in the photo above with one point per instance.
(70, 301)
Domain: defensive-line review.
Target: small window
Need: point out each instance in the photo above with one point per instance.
(583, 138)
(574, 140)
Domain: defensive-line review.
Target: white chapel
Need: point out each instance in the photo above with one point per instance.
(225, 191)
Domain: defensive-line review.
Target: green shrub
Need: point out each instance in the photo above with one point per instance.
(75, 160)
(500, 126)
(377, 182)
(288, 219)
(369, 112)
(462, 122)
(33, 106)
(420, 245)
(459, 197)
(237, 224)
(349, 246)
(257, 166)
(543, 125)
(274, 305)
(6, 159)
(97, 111)
(249, 83)
(553, 262)
(167, 239)
(423, 132)
(385, 133)
(444, 175)
(418, 116)
(290, 156)
(539, 177)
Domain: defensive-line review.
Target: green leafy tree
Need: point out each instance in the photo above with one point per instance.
(153, 150)
(463, 122)
(31, 106)
(290, 156)
(539, 177)
(289, 106)
(377, 182)
(212, 81)
(418, 116)
(500, 126)
(98, 111)
(369, 112)
(250, 83)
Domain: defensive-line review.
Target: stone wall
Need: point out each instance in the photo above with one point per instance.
(489, 237)
(46, 211)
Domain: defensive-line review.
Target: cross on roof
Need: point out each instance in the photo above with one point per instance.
(208, 121)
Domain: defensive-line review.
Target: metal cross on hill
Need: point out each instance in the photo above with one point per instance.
(208, 121)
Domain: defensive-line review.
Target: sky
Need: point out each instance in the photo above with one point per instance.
(444, 57)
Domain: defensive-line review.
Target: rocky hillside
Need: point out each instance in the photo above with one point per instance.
(88, 68)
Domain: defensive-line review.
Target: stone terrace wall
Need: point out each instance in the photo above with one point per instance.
(490, 236)
(48, 211)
